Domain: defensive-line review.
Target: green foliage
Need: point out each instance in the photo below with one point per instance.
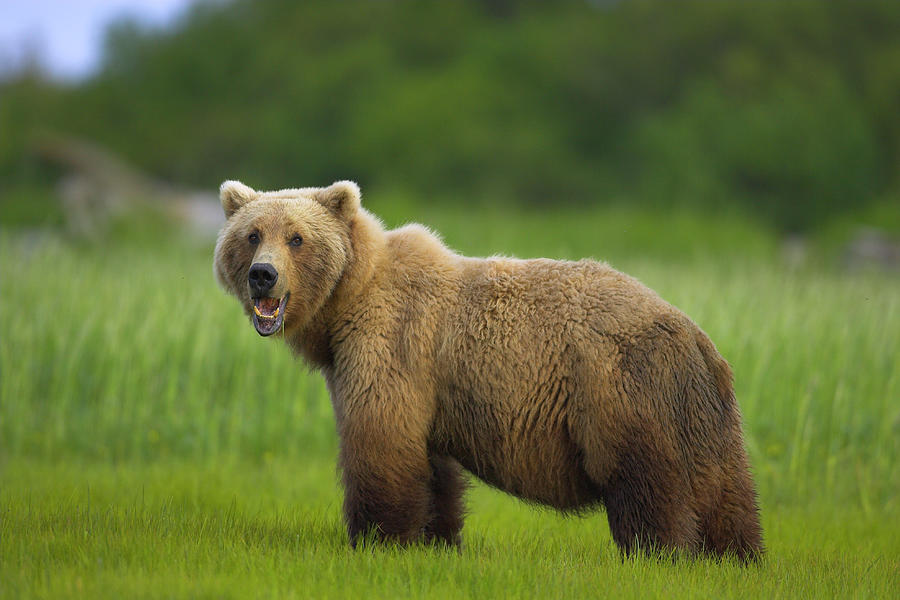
(782, 110)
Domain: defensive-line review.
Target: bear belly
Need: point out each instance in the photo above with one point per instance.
(535, 461)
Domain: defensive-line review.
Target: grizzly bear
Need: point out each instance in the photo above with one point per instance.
(567, 384)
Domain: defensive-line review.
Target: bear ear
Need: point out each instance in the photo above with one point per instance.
(234, 195)
(342, 198)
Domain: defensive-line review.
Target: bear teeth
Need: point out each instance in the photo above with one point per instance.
(268, 316)
(259, 314)
(267, 304)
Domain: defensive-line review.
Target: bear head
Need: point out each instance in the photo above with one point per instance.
(281, 254)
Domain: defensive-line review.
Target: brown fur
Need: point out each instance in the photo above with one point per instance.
(563, 383)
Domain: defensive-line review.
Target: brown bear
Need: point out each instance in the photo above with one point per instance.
(567, 384)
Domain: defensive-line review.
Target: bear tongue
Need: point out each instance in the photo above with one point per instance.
(267, 306)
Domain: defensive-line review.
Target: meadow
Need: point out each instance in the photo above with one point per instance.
(153, 445)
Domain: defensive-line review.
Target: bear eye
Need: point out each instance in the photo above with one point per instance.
(296, 240)
(253, 238)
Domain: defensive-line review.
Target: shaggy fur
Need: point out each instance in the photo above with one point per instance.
(563, 383)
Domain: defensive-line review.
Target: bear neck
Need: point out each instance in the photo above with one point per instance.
(367, 243)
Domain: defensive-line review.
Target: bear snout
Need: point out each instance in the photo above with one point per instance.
(261, 278)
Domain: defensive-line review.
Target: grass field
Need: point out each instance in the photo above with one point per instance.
(152, 445)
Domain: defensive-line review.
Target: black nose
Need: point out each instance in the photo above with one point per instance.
(262, 277)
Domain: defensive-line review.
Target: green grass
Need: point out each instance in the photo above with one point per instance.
(246, 530)
(152, 445)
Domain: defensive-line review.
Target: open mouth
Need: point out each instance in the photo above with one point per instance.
(268, 314)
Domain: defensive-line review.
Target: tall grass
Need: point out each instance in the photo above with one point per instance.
(132, 352)
(151, 444)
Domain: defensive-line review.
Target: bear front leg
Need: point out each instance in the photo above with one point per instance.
(386, 484)
(447, 488)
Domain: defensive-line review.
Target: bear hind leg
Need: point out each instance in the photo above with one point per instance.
(731, 525)
(649, 506)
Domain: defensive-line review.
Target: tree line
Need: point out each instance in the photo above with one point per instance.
(788, 111)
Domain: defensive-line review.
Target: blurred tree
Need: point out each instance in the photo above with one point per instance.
(786, 110)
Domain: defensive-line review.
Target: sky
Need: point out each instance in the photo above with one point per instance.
(68, 34)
